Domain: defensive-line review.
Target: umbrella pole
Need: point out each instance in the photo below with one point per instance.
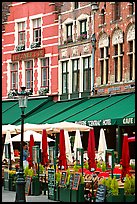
(10, 166)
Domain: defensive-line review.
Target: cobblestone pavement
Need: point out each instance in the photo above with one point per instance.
(9, 196)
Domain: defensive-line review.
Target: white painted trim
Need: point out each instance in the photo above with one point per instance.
(35, 16)
(47, 14)
(55, 66)
(50, 38)
(50, 25)
(59, 79)
(23, 74)
(8, 45)
(16, 4)
(8, 52)
(19, 20)
(55, 55)
(8, 77)
(49, 45)
(11, 33)
(39, 74)
(8, 22)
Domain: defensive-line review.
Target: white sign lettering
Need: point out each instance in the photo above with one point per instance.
(128, 121)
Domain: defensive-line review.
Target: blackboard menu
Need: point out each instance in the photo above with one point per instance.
(63, 178)
(51, 183)
(27, 185)
(71, 180)
(101, 193)
(76, 181)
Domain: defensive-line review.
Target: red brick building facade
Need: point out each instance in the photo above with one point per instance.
(113, 24)
(30, 49)
(115, 47)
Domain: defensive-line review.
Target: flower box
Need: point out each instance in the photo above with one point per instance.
(64, 194)
(129, 198)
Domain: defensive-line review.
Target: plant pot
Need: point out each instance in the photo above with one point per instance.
(114, 198)
(129, 198)
(78, 195)
(10, 184)
(57, 193)
(64, 195)
(36, 187)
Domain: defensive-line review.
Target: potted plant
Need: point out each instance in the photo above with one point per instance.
(113, 194)
(57, 188)
(129, 189)
(12, 180)
(65, 191)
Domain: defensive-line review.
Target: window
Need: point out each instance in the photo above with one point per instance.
(104, 64)
(86, 74)
(131, 8)
(29, 74)
(76, 5)
(118, 61)
(14, 76)
(69, 31)
(130, 55)
(102, 16)
(37, 30)
(117, 11)
(131, 51)
(83, 27)
(21, 33)
(45, 72)
(75, 75)
(65, 77)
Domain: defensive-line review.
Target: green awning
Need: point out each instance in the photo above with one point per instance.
(12, 114)
(100, 111)
(75, 110)
(6, 105)
(57, 108)
(94, 111)
(109, 112)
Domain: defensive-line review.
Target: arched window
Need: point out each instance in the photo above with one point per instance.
(131, 51)
(117, 41)
(131, 8)
(104, 58)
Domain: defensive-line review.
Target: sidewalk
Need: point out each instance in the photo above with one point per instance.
(9, 196)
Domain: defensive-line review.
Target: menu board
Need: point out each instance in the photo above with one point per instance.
(63, 178)
(35, 154)
(51, 183)
(27, 185)
(71, 180)
(101, 193)
(76, 181)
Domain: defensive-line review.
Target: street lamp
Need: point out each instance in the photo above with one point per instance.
(20, 183)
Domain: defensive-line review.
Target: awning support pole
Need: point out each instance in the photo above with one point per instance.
(119, 144)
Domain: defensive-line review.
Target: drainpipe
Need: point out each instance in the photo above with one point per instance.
(94, 8)
(93, 42)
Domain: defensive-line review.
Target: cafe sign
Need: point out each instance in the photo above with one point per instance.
(127, 121)
(31, 54)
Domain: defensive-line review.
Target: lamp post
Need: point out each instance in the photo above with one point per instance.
(94, 8)
(20, 183)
